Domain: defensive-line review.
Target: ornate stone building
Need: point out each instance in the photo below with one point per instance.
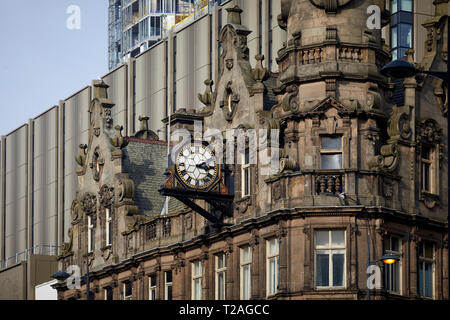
(358, 177)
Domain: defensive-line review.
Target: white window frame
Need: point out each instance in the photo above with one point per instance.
(274, 256)
(423, 260)
(332, 151)
(330, 249)
(246, 266)
(106, 293)
(398, 264)
(221, 270)
(90, 235)
(197, 280)
(246, 167)
(167, 285)
(151, 288)
(125, 297)
(108, 226)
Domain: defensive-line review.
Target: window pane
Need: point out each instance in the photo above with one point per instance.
(322, 238)
(395, 244)
(331, 143)
(332, 161)
(428, 251)
(220, 285)
(394, 6)
(428, 280)
(394, 54)
(338, 237)
(153, 280)
(394, 43)
(421, 279)
(169, 276)
(322, 277)
(338, 270)
(273, 246)
(169, 293)
(405, 35)
(406, 5)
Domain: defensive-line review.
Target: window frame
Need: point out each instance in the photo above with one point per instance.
(129, 297)
(246, 166)
(388, 269)
(168, 285)
(90, 235)
(398, 19)
(220, 270)
(432, 170)
(331, 249)
(269, 257)
(152, 288)
(196, 277)
(243, 265)
(332, 151)
(108, 226)
(424, 260)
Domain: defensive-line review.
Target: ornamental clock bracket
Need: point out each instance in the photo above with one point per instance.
(196, 175)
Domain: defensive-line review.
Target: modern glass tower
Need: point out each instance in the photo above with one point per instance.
(135, 25)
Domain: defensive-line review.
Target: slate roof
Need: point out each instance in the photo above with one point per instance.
(146, 161)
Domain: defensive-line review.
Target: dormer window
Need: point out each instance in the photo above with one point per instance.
(331, 152)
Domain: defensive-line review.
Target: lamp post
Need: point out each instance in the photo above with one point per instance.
(401, 69)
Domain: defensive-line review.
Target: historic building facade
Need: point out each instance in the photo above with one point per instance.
(358, 177)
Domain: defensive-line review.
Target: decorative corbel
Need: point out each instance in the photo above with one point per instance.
(81, 158)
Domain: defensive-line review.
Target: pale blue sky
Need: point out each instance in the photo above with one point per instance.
(42, 61)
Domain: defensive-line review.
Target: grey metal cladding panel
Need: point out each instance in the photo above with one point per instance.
(45, 178)
(250, 20)
(76, 127)
(155, 108)
(146, 163)
(151, 86)
(116, 81)
(193, 53)
(16, 191)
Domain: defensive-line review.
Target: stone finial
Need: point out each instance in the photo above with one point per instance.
(260, 73)
(100, 89)
(234, 15)
(144, 132)
(207, 97)
(119, 141)
(81, 158)
(410, 55)
(144, 123)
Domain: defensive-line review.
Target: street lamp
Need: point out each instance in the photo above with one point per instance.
(401, 69)
(388, 258)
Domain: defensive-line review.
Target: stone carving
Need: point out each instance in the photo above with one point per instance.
(97, 164)
(119, 141)
(76, 211)
(259, 73)
(125, 190)
(330, 6)
(440, 91)
(277, 190)
(81, 158)
(388, 160)
(207, 98)
(89, 204)
(106, 196)
(290, 101)
(398, 124)
(230, 102)
(144, 132)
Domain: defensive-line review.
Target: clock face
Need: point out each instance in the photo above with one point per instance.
(196, 166)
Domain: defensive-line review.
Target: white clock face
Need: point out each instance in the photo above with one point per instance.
(196, 166)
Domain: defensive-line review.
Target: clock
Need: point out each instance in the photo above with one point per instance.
(196, 166)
